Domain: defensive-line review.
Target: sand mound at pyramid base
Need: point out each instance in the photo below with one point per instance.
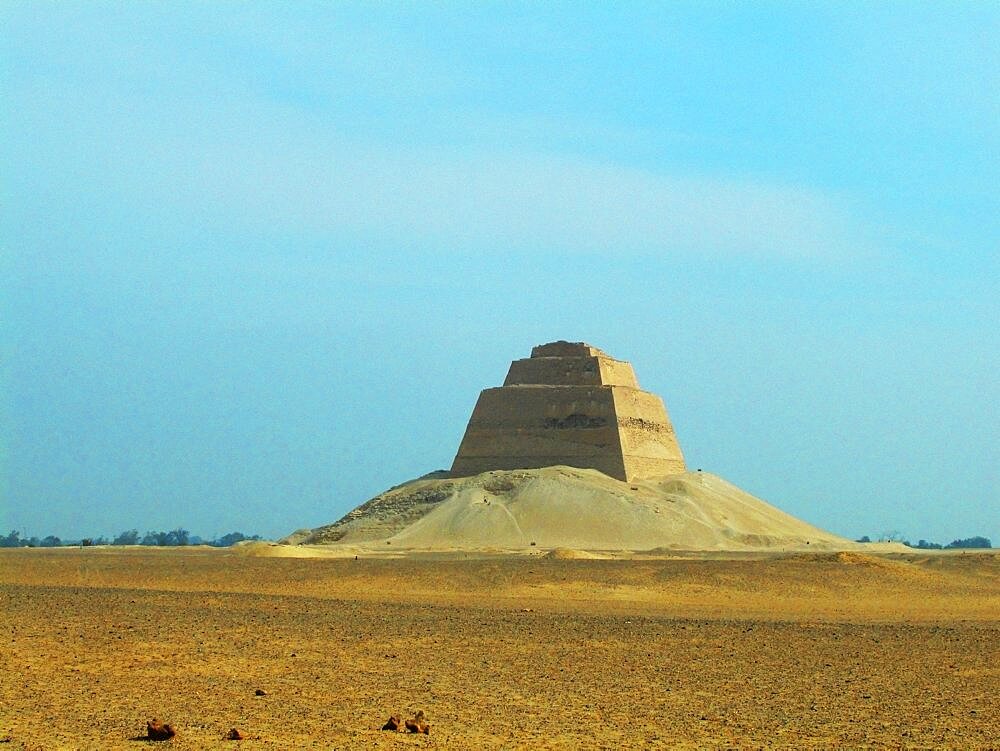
(862, 561)
(575, 509)
(293, 550)
(568, 554)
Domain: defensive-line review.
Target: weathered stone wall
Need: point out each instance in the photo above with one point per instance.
(569, 403)
(553, 371)
(597, 370)
(525, 427)
(649, 445)
(617, 373)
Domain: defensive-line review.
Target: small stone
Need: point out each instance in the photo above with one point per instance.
(158, 731)
(260, 692)
(235, 734)
(418, 724)
(393, 723)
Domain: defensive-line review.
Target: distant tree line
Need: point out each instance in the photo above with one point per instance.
(173, 538)
(967, 543)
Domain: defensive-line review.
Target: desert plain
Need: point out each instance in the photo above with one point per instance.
(537, 650)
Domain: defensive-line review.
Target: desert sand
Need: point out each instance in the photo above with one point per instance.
(546, 649)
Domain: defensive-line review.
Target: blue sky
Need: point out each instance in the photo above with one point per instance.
(259, 259)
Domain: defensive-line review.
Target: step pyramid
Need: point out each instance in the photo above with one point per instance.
(570, 404)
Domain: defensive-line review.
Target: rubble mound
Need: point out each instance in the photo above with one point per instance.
(576, 509)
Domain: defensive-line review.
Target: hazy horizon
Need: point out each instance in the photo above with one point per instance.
(259, 259)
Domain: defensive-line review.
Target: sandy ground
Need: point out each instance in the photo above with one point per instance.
(691, 651)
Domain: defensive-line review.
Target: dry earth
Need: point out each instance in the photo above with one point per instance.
(692, 651)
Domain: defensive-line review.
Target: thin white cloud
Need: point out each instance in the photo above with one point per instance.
(271, 168)
(176, 135)
(490, 201)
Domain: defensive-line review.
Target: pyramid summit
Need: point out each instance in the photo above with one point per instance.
(570, 404)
